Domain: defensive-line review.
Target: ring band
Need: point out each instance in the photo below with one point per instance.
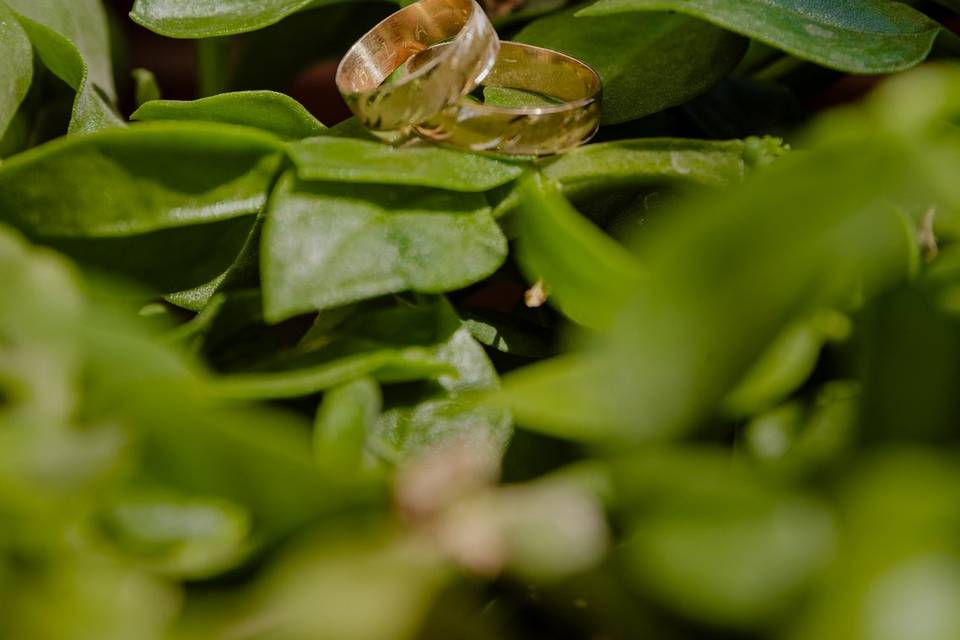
(470, 53)
(526, 130)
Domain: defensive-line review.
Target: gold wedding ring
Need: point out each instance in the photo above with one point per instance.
(435, 85)
(568, 121)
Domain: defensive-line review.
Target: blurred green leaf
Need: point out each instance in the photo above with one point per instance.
(897, 569)
(319, 240)
(274, 112)
(711, 541)
(16, 68)
(858, 36)
(356, 587)
(347, 414)
(787, 363)
(146, 88)
(648, 61)
(802, 438)
(178, 536)
(655, 379)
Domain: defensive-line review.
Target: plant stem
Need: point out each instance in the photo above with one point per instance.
(213, 66)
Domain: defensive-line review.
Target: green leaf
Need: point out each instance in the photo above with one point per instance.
(82, 23)
(392, 344)
(146, 178)
(346, 415)
(176, 535)
(350, 160)
(146, 88)
(896, 571)
(775, 266)
(648, 61)
(304, 380)
(800, 438)
(585, 271)
(91, 111)
(361, 584)
(787, 363)
(71, 38)
(712, 542)
(609, 166)
(330, 244)
(206, 18)
(16, 67)
(273, 112)
(857, 36)
(449, 413)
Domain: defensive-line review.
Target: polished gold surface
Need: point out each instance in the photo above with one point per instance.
(390, 105)
(570, 120)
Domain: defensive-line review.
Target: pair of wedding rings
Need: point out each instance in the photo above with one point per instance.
(414, 72)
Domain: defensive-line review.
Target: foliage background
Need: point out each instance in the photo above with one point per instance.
(262, 376)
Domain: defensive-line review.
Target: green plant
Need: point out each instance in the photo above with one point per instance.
(261, 378)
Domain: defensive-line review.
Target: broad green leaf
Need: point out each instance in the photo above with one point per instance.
(176, 535)
(449, 413)
(341, 159)
(82, 23)
(207, 18)
(345, 417)
(91, 111)
(712, 541)
(16, 67)
(857, 36)
(328, 244)
(584, 271)
(648, 61)
(624, 164)
(274, 112)
(146, 178)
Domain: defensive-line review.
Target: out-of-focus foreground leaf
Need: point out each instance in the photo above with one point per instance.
(836, 237)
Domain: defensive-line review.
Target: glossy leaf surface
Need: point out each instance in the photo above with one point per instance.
(327, 244)
(859, 36)
(648, 61)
